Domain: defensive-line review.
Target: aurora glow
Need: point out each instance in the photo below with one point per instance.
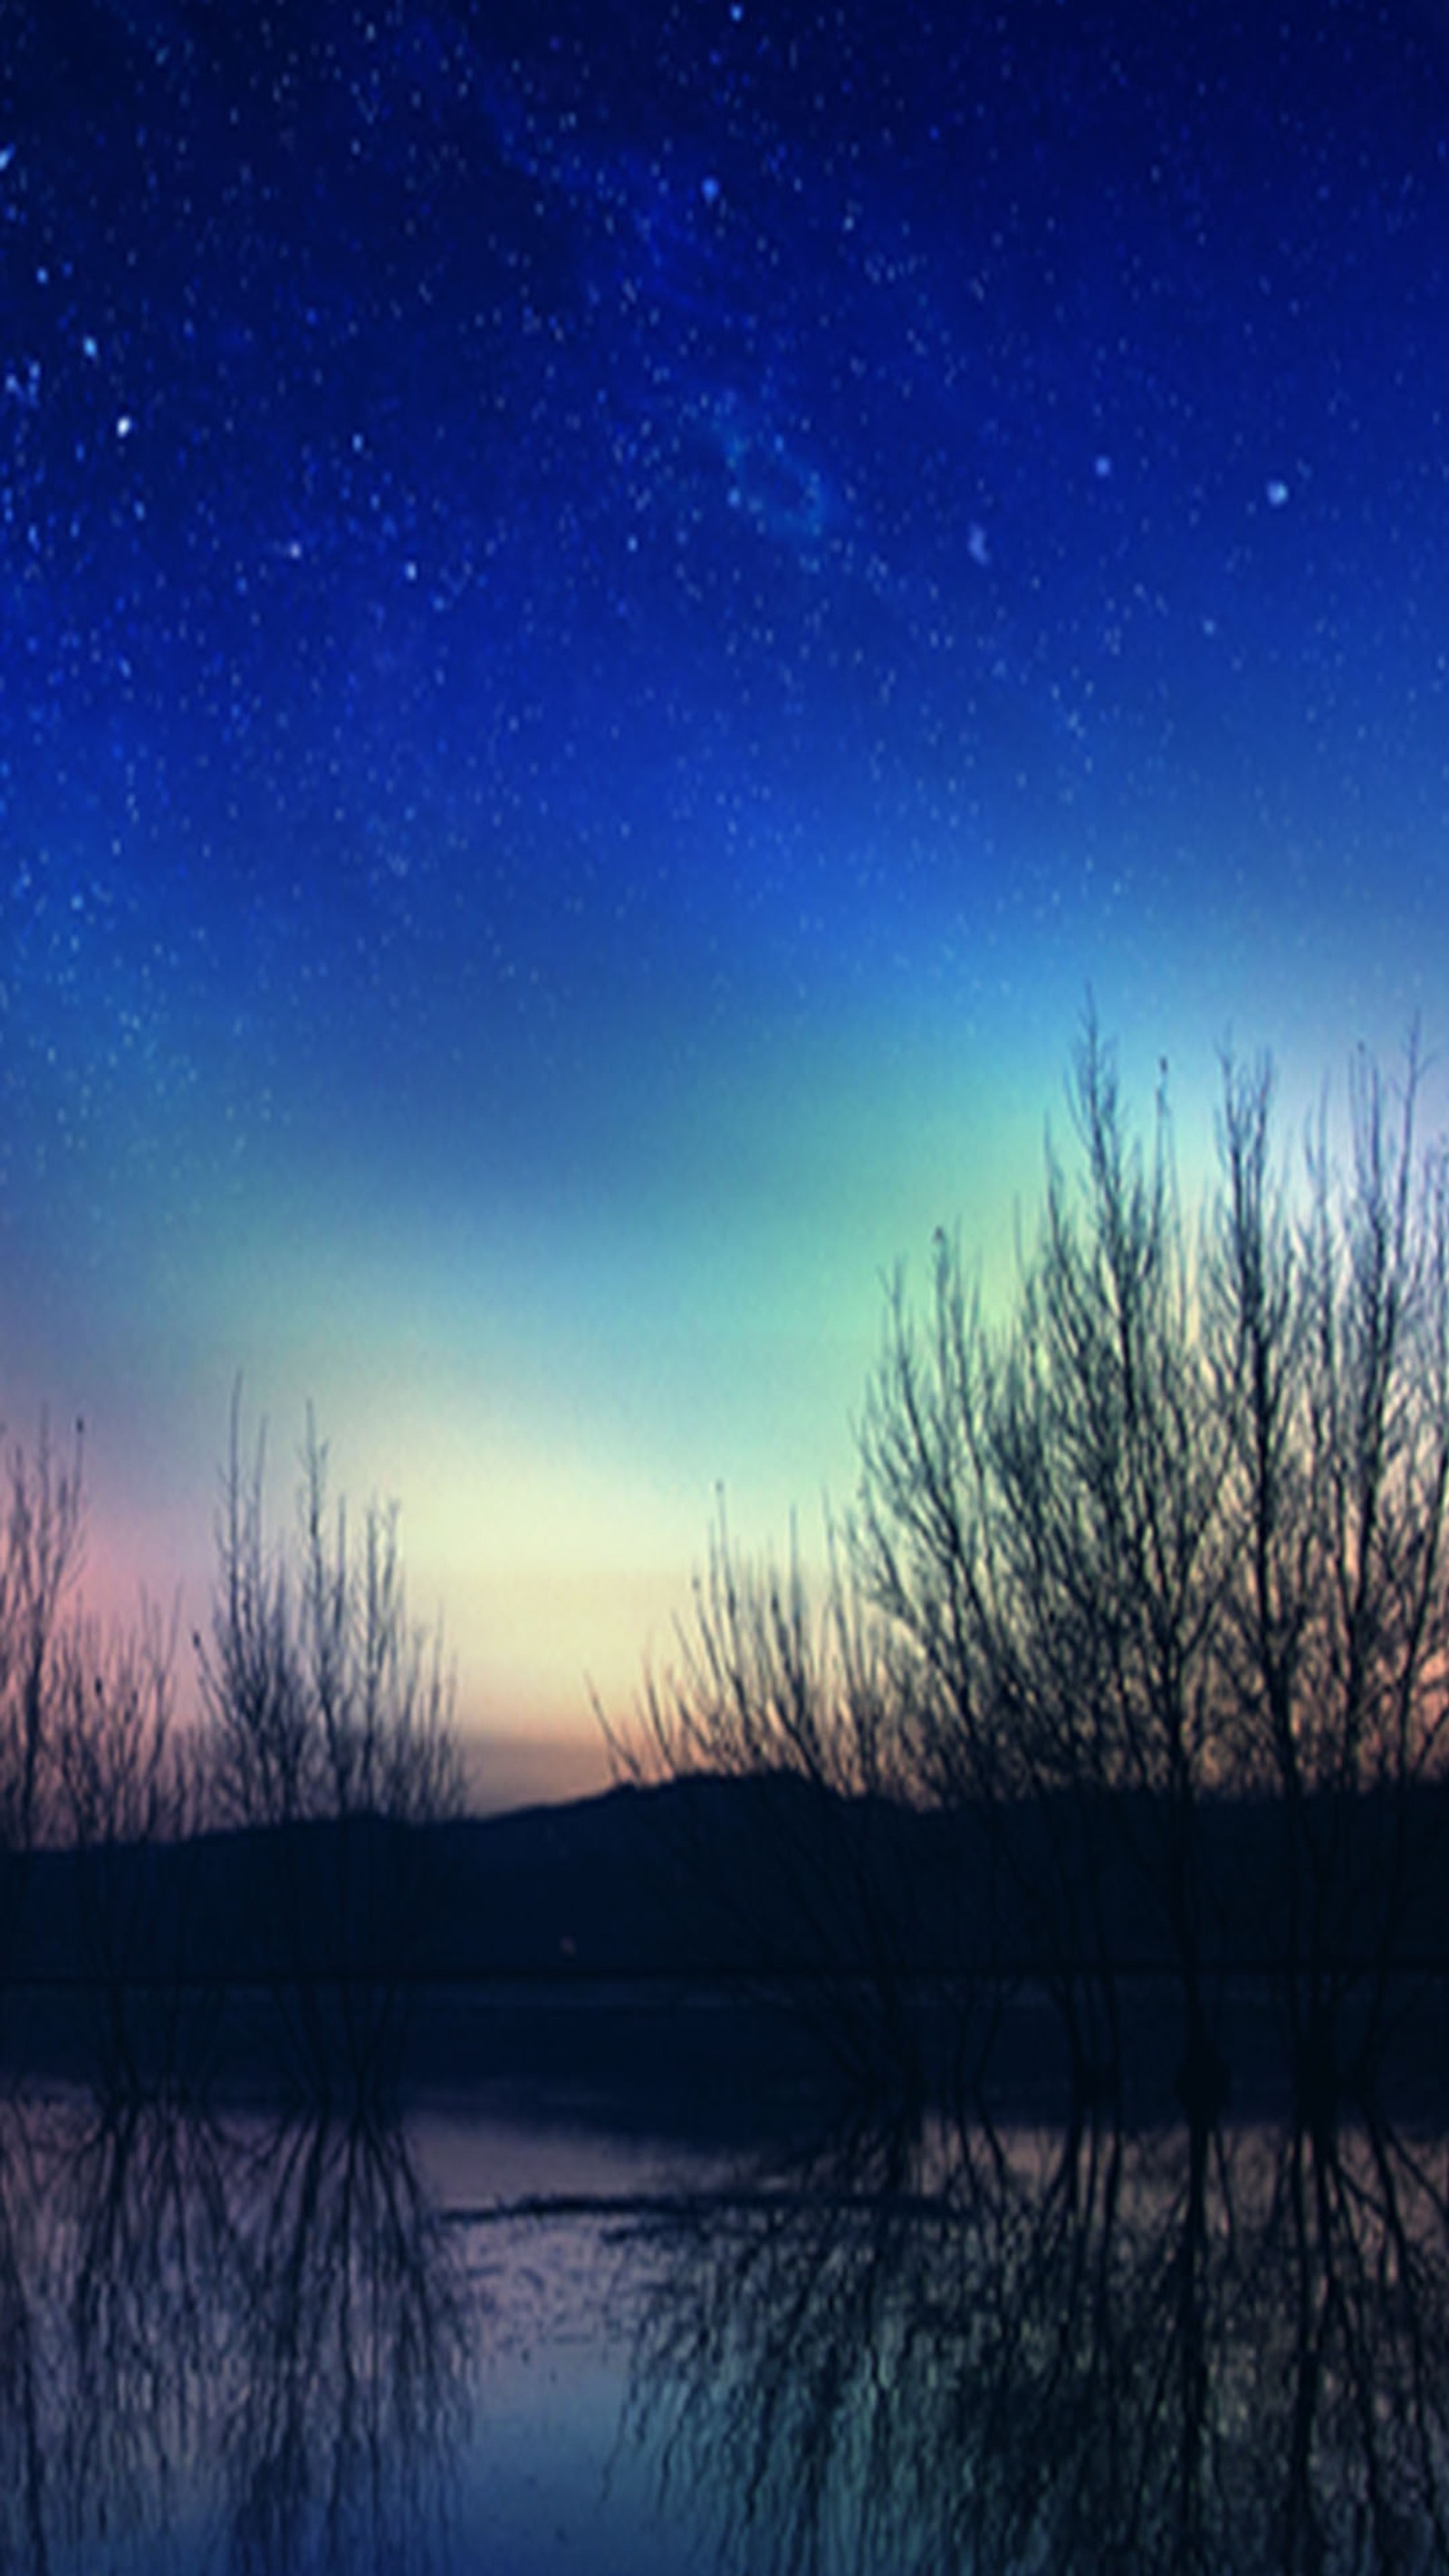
(610, 612)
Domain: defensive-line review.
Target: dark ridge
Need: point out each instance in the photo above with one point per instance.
(769, 1875)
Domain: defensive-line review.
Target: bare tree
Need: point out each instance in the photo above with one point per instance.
(125, 1790)
(1332, 1338)
(1169, 1538)
(121, 1774)
(41, 1540)
(322, 1699)
(1178, 1529)
(1039, 1520)
(41, 1533)
(328, 1720)
(810, 1882)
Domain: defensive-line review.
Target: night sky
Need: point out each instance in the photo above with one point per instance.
(610, 615)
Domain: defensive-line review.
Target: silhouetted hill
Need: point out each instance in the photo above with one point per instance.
(709, 1877)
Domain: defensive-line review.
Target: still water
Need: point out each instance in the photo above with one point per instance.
(481, 2338)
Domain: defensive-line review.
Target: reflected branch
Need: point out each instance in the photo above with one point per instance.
(1174, 2352)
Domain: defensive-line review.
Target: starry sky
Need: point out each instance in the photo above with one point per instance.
(611, 613)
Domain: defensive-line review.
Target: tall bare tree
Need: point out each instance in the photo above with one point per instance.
(1039, 1520)
(1331, 1332)
(41, 1536)
(125, 1793)
(323, 1699)
(328, 1720)
(1178, 1528)
(770, 1685)
(1171, 1533)
(41, 1545)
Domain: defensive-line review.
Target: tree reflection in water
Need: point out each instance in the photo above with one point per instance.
(1172, 2351)
(353, 2346)
(254, 2347)
(140, 2243)
(260, 2337)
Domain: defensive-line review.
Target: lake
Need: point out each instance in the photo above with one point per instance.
(505, 2333)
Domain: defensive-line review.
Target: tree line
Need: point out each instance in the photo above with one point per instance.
(1166, 1534)
(325, 1725)
(1171, 1531)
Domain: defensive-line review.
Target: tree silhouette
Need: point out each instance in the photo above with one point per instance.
(797, 1698)
(1040, 1521)
(1177, 1529)
(1333, 1342)
(125, 1781)
(327, 1719)
(323, 1700)
(1170, 1532)
(41, 1532)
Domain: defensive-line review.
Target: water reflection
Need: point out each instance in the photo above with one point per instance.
(1165, 2352)
(243, 2347)
(352, 2350)
(136, 2256)
(260, 2346)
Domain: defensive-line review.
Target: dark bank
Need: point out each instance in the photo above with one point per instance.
(787, 1939)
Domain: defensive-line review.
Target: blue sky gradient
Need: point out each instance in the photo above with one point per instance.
(610, 614)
